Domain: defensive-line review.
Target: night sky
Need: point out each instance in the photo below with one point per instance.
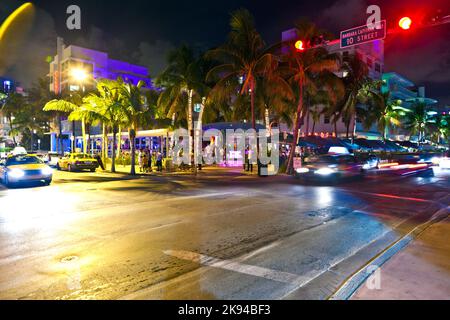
(144, 31)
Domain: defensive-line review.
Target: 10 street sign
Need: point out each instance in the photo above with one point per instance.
(363, 34)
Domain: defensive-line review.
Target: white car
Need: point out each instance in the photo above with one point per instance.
(444, 163)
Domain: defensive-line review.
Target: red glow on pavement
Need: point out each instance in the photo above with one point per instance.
(391, 196)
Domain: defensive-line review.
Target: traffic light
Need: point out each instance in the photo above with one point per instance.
(405, 23)
(300, 46)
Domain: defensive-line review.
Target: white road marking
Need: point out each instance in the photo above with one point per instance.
(230, 265)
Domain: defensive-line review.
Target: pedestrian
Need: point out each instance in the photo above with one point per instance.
(149, 161)
(140, 160)
(144, 162)
(123, 158)
(159, 161)
(100, 162)
(249, 160)
(246, 159)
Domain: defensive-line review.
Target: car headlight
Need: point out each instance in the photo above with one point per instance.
(367, 166)
(47, 171)
(436, 160)
(302, 170)
(16, 173)
(325, 171)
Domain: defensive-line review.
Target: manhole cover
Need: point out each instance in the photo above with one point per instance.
(69, 259)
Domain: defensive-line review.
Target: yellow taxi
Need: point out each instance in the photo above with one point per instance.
(24, 168)
(76, 162)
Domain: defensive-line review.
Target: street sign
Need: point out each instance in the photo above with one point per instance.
(362, 34)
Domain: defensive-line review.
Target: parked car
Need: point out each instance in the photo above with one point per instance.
(24, 168)
(369, 161)
(77, 162)
(52, 158)
(330, 167)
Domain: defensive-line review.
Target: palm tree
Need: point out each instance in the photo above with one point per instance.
(440, 128)
(310, 72)
(386, 112)
(38, 96)
(70, 105)
(418, 121)
(12, 103)
(359, 90)
(182, 81)
(28, 122)
(135, 109)
(245, 61)
(108, 103)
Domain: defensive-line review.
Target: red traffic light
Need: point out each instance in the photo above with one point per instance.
(300, 45)
(405, 23)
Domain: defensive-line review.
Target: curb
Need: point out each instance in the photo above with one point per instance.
(354, 282)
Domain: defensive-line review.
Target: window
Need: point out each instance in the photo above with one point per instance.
(7, 85)
(345, 56)
(377, 67)
(326, 120)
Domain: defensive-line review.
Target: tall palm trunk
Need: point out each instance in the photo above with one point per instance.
(113, 151)
(83, 133)
(89, 141)
(132, 134)
(335, 128)
(190, 129)
(298, 117)
(307, 113)
(74, 141)
(104, 143)
(252, 106)
(314, 127)
(119, 144)
(60, 139)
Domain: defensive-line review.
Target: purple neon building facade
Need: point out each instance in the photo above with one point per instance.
(96, 65)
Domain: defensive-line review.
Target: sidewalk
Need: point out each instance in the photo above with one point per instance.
(206, 170)
(420, 272)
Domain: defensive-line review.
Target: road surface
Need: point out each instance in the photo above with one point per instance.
(221, 235)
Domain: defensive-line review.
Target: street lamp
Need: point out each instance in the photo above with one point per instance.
(79, 74)
(405, 23)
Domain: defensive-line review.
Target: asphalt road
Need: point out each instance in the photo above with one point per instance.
(218, 236)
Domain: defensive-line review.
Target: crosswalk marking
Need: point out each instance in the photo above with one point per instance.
(230, 265)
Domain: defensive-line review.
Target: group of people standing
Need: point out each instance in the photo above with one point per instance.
(146, 158)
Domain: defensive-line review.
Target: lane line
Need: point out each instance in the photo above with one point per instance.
(230, 265)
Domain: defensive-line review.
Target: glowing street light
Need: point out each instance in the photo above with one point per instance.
(79, 74)
(405, 23)
(300, 45)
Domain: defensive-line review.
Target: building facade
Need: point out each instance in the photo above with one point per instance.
(94, 65)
